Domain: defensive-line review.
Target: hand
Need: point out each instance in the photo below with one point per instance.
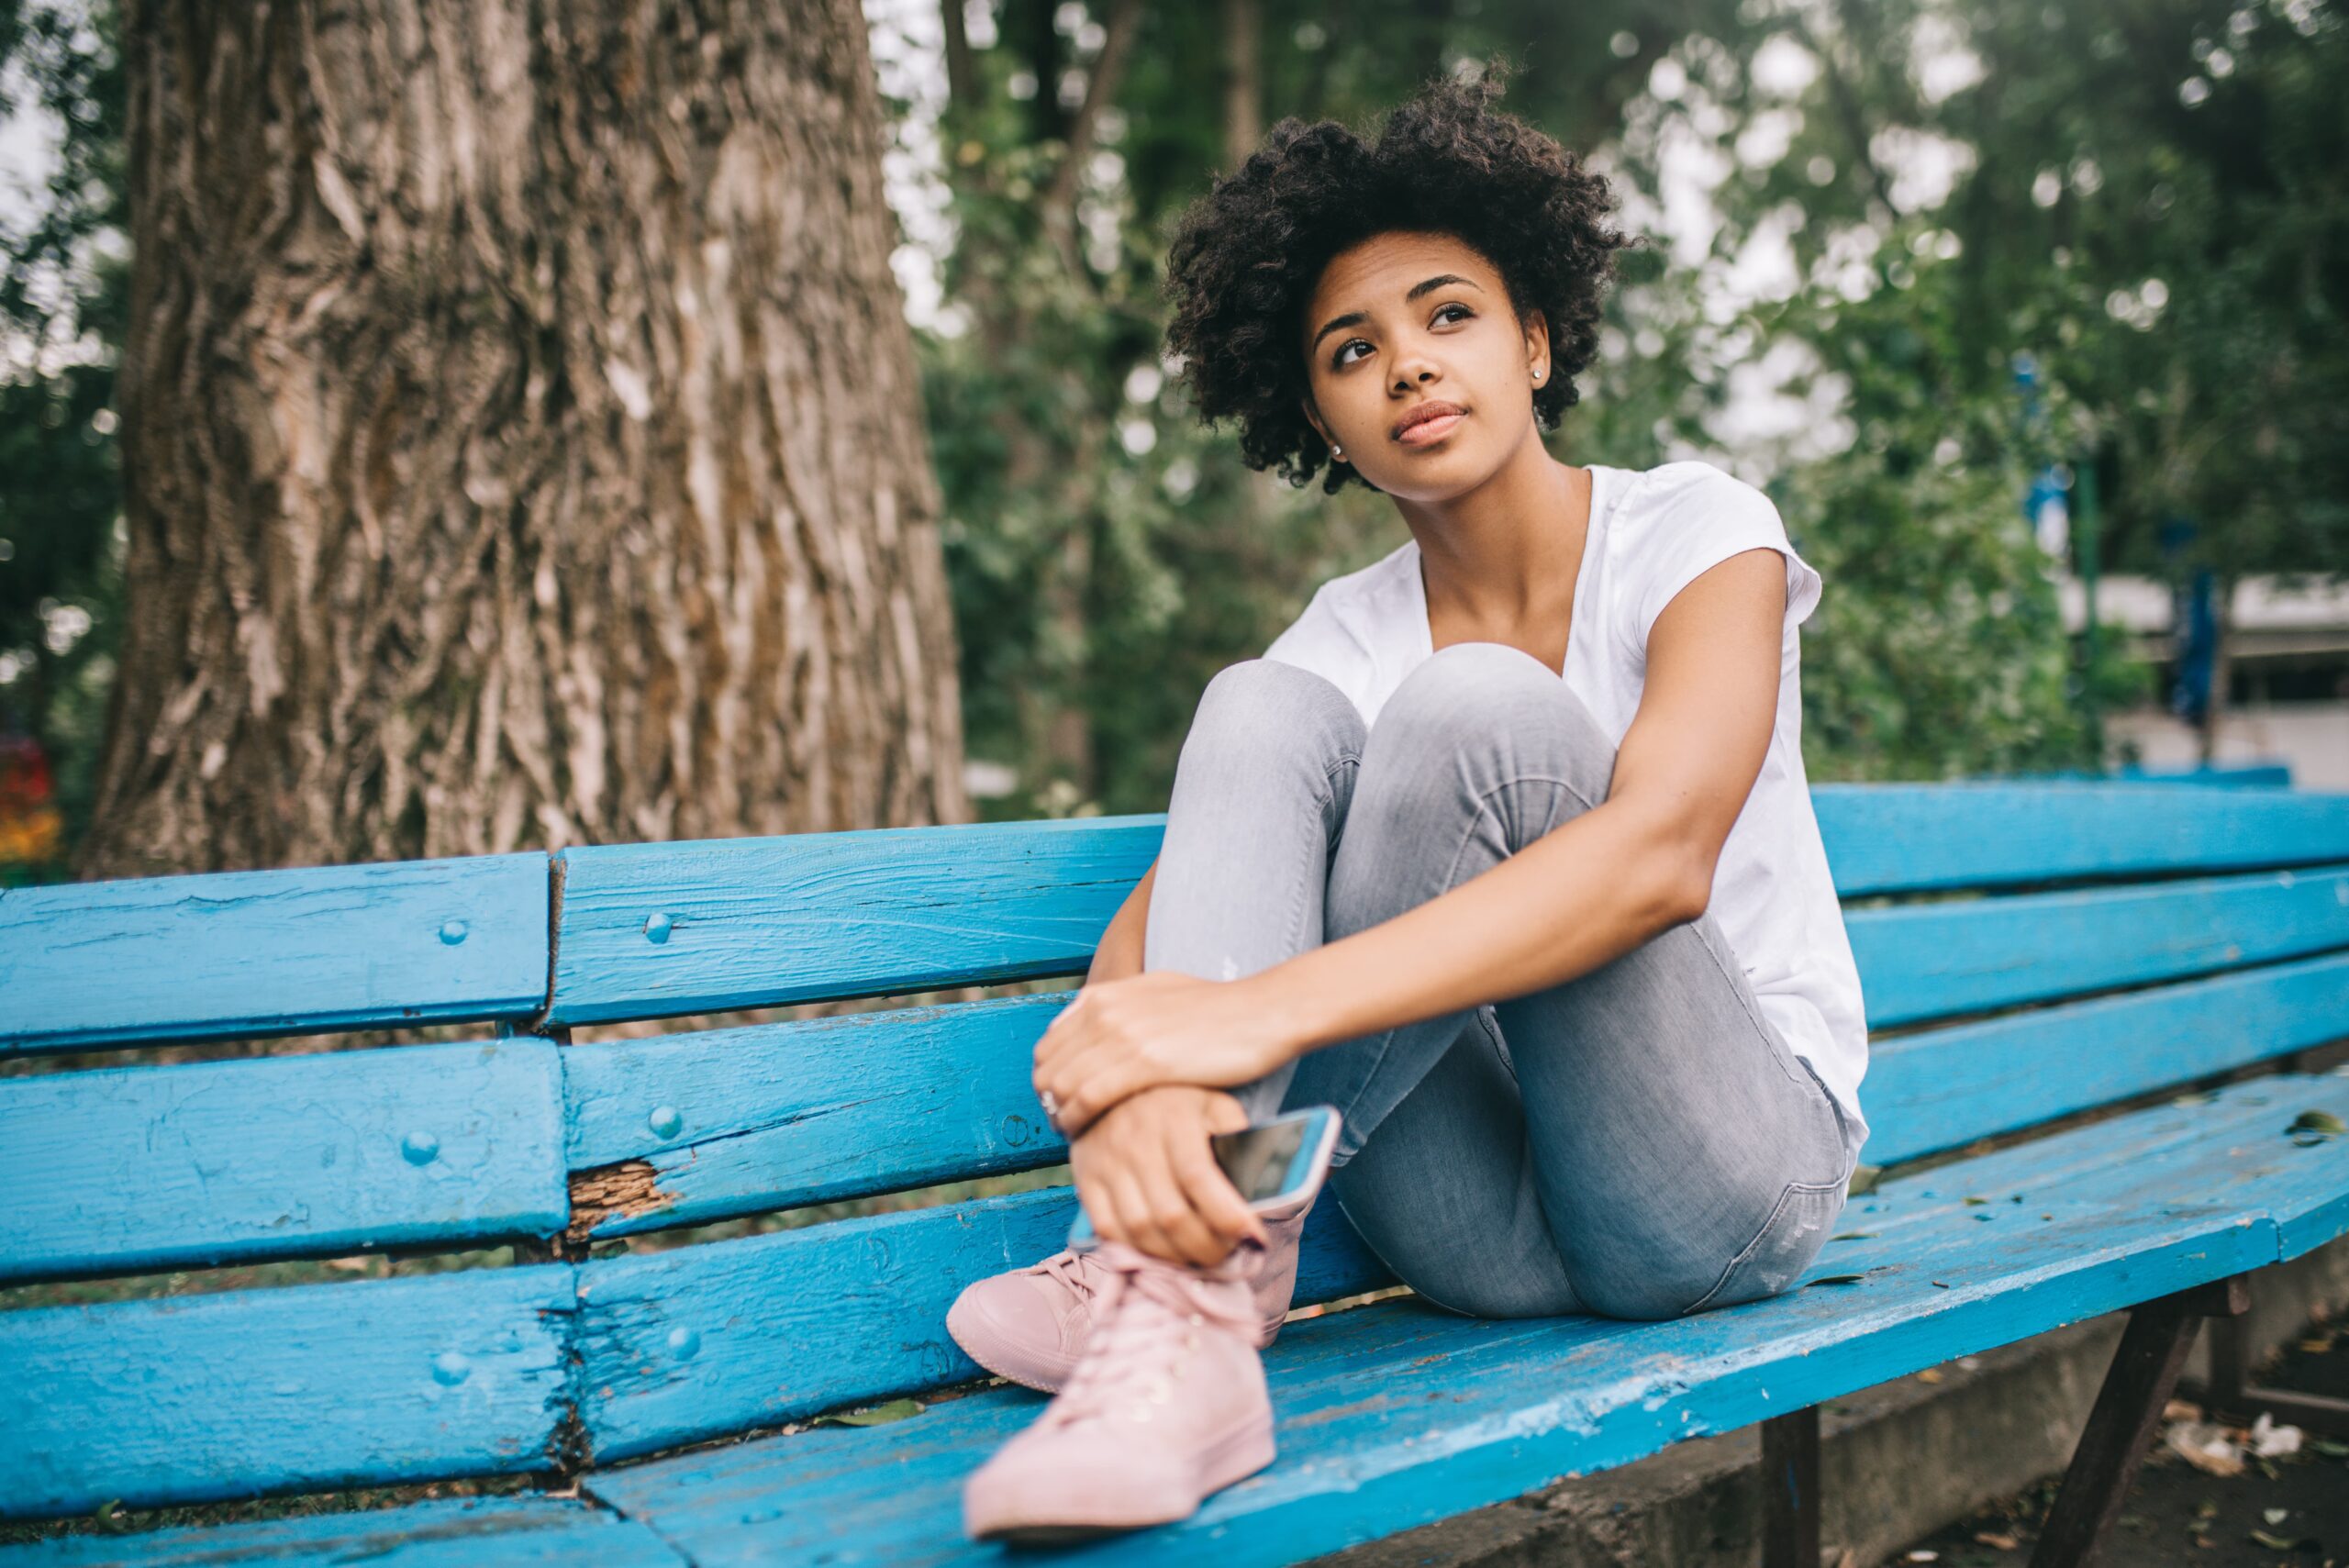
(1147, 1177)
(1119, 1037)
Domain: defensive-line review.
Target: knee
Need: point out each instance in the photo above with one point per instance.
(1260, 707)
(1488, 700)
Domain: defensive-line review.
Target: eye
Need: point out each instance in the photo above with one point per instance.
(1454, 304)
(1338, 360)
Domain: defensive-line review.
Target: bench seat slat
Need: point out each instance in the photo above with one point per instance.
(313, 1388)
(1929, 961)
(137, 1168)
(455, 1532)
(1398, 1413)
(237, 954)
(1930, 1091)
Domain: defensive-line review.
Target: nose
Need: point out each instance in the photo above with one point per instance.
(1413, 367)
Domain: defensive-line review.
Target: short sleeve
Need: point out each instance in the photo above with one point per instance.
(1695, 517)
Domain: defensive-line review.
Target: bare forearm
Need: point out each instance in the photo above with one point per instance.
(1121, 952)
(1584, 893)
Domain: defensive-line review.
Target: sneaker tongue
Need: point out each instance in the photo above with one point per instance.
(1219, 1294)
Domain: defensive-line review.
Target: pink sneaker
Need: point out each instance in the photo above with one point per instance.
(1166, 1406)
(1030, 1325)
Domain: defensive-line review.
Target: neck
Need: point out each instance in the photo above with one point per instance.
(1504, 555)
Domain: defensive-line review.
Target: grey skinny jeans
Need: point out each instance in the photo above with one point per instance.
(1636, 1141)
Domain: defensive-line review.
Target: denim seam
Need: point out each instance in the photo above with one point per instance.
(1746, 1251)
(1329, 802)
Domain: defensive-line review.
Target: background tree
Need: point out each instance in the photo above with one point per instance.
(521, 436)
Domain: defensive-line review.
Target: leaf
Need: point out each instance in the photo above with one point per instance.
(894, 1410)
(1863, 1179)
(2319, 1121)
(1852, 1236)
(1835, 1279)
(2330, 1448)
(2282, 1543)
(1976, 1202)
(2190, 1100)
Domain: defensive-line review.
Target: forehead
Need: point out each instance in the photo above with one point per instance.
(1380, 270)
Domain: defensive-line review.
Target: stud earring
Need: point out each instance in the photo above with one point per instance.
(1337, 452)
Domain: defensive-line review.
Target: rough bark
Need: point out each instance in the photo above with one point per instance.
(522, 437)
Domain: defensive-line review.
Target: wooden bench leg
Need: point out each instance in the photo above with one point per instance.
(2128, 1408)
(2230, 1386)
(1790, 1489)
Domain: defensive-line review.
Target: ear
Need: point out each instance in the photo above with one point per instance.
(1537, 346)
(1313, 418)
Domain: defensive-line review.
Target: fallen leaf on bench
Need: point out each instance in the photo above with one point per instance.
(1863, 1178)
(894, 1410)
(1835, 1279)
(1852, 1236)
(2319, 1121)
(2330, 1448)
(1976, 1202)
(1929, 1375)
(1992, 1538)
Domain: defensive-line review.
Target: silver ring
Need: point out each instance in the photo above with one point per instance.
(1052, 1103)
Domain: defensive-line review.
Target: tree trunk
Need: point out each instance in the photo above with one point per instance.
(522, 439)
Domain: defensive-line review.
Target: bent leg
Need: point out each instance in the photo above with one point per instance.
(1261, 794)
(1680, 1155)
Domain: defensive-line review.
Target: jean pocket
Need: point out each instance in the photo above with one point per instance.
(1797, 1228)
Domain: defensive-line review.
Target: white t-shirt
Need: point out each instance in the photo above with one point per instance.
(1653, 532)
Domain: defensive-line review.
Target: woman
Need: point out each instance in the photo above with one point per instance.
(1504, 847)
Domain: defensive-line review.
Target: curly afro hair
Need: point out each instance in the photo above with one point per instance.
(1246, 256)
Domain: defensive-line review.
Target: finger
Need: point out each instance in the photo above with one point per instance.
(1175, 1217)
(1212, 1193)
(1066, 1026)
(1102, 1083)
(1134, 1217)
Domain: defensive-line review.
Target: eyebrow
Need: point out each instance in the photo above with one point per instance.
(1356, 317)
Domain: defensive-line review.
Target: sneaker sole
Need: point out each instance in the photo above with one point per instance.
(1231, 1460)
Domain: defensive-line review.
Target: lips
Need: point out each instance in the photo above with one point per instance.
(1427, 422)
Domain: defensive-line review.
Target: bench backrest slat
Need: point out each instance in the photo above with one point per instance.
(656, 930)
(239, 954)
(734, 1121)
(307, 1388)
(1945, 1088)
(1927, 838)
(1929, 961)
(146, 1168)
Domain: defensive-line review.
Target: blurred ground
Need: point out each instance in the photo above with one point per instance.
(2287, 1510)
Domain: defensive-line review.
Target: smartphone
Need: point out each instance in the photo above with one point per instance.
(1269, 1163)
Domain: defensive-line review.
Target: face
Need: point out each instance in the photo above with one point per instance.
(1405, 321)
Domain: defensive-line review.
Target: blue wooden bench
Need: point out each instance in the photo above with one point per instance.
(2030, 953)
